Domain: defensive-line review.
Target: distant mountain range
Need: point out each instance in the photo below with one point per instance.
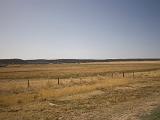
(60, 61)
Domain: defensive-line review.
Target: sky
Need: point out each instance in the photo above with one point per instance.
(79, 29)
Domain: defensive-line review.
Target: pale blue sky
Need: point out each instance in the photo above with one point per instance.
(98, 29)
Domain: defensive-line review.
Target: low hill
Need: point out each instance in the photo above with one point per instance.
(4, 62)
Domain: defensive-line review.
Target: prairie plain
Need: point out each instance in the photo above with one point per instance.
(90, 91)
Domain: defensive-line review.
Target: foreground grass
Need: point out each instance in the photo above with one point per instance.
(77, 89)
(119, 101)
(20, 94)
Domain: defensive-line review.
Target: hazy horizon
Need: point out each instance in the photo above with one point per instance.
(82, 58)
(79, 29)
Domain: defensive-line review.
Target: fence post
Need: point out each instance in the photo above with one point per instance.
(123, 74)
(28, 84)
(58, 81)
(112, 75)
(133, 74)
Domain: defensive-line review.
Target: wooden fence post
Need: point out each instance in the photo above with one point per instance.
(58, 81)
(112, 75)
(133, 74)
(123, 74)
(28, 84)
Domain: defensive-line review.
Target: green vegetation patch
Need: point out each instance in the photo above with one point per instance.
(154, 115)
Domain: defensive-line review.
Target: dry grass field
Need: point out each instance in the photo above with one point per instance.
(93, 91)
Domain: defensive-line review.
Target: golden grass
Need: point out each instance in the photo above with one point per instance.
(16, 92)
(77, 89)
(50, 71)
(75, 79)
(14, 99)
